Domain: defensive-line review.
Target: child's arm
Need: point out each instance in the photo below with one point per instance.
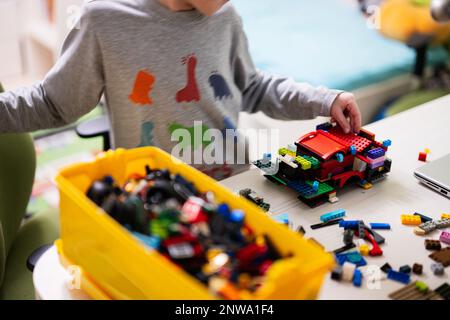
(72, 88)
(283, 98)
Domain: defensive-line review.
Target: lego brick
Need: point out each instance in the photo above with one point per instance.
(315, 164)
(405, 269)
(445, 237)
(423, 218)
(324, 126)
(336, 274)
(325, 224)
(442, 256)
(349, 224)
(386, 267)
(353, 257)
(432, 244)
(348, 236)
(364, 250)
(349, 139)
(438, 269)
(415, 291)
(443, 291)
(399, 276)
(352, 150)
(305, 164)
(417, 269)
(344, 248)
(320, 144)
(422, 156)
(286, 151)
(332, 215)
(445, 216)
(377, 237)
(410, 220)
(387, 143)
(380, 226)
(348, 269)
(376, 153)
(357, 278)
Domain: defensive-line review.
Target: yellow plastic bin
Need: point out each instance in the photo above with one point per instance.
(114, 265)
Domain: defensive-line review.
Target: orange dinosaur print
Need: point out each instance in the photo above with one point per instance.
(143, 86)
(190, 92)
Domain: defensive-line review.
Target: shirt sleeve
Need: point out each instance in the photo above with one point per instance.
(72, 88)
(276, 96)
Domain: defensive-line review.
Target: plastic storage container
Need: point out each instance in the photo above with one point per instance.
(114, 265)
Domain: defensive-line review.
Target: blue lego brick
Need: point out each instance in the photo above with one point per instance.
(357, 278)
(332, 215)
(380, 226)
(376, 153)
(315, 186)
(353, 257)
(387, 143)
(399, 276)
(349, 224)
(303, 189)
(353, 150)
(339, 157)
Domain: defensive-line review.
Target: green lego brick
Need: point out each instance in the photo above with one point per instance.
(323, 188)
(285, 151)
(305, 164)
(315, 164)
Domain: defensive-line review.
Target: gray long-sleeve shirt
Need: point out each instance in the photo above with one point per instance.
(159, 70)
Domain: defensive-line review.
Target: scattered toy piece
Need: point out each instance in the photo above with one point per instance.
(445, 237)
(348, 269)
(336, 274)
(444, 291)
(417, 290)
(430, 226)
(325, 224)
(386, 267)
(364, 250)
(352, 257)
(344, 248)
(405, 269)
(399, 276)
(442, 256)
(380, 226)
(423, 218)
(445, 216)
(357, 278)
(438, 269)
(410, 220)
(251, 195)
(332, 215)
(422, 156)
(432, 244)
(417, 269)
(348, 236)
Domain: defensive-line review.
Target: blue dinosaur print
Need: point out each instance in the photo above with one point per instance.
(220, 86)
(147, 134)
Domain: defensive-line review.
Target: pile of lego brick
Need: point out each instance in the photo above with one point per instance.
(206, 239)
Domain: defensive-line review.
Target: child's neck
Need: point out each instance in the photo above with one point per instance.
(177, 5)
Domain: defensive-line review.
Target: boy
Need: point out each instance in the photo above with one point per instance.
(163, 64)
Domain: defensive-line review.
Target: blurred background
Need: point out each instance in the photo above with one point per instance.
(390, 53)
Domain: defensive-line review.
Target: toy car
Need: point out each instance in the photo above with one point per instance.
(323, 161)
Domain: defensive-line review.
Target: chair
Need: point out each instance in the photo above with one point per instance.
(19, 237)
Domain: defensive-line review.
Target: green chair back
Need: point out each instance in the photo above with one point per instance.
(17, 169)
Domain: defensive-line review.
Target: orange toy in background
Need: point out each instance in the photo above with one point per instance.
(401, 19)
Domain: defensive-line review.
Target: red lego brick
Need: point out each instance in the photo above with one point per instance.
(422, 156)
(321, 144)
(345, 176)
(349, 139)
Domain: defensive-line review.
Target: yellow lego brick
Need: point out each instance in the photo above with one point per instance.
(305, 164)
(411, 220)
(286, 151)
(364, 250)
(445, 216)
(367, 186)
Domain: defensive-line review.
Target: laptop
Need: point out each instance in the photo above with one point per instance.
(436, 175)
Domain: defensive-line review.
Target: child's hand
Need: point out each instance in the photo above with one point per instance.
(345, 108)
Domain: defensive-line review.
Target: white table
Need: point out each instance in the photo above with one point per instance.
(427, 126)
